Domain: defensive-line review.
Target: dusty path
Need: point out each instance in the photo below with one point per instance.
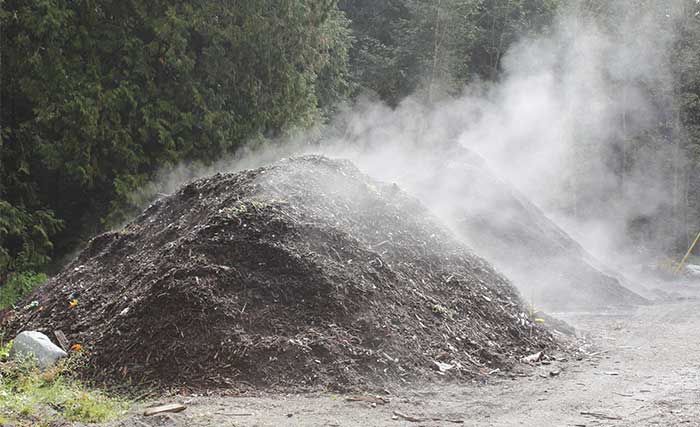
(647, 373)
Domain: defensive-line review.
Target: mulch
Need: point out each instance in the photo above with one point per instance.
(305, 274)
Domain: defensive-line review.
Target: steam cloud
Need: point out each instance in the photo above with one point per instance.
(555, 126)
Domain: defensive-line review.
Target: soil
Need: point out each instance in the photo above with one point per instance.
(303, 275)
(639, 368)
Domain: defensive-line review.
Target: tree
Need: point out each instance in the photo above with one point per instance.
(499, 24)
(98, 95)
(373, 55)
(433, 48)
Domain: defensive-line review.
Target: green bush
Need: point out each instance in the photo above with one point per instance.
(99, 96)
(19, 285)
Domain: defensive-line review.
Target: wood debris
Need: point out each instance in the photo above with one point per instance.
(413, 419)
(533, 358)
(600, 416)
(370, 399)
(62, 340)
(170, 407)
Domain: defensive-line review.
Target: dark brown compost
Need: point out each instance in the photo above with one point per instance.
(302, 274)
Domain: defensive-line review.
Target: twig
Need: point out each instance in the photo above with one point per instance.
(233, 414)
(419, 420)
(337, 254)
(370, 399)
(601, 416)
(622, 394)
(410, 418)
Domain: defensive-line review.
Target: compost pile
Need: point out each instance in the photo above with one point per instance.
(305, 273)
(549, 267)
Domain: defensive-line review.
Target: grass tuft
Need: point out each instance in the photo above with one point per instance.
(30, 397)
(18, 285)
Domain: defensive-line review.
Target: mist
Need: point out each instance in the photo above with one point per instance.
(554, 128)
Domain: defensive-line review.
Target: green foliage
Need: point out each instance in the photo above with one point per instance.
(99, 95)
(434, 44)
(30, 397)
(434, 47)
(17, 285)
(442, 311)
(501, 23)
(333, 83)
(25, 238)
(373, 55)
(4, 349)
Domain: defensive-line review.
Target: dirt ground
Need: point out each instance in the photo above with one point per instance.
(643, 371)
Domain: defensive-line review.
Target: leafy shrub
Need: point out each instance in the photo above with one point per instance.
(17, 285)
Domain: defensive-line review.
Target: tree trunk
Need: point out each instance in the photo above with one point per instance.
(437, 43)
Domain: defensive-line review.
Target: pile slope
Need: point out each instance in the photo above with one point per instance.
(305, 273)
(548, 266)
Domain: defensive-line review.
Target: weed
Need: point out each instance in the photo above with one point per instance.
(29, 396)
(18, 285)
(235, 211)
(534, 314)
(4, 348)
(442, 311)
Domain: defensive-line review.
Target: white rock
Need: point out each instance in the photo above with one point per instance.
(32, 343)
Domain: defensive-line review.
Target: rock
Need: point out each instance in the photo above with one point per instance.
(38, 345)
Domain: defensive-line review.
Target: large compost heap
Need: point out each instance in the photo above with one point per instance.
(549, 267)
(305, 273)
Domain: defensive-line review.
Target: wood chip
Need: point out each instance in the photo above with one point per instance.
(371, 399)
(420, 420)
(623, 394)
(410, 418)
(62, 340)
(171, 407)
(601, 416)
(533, 358)
(240, 414)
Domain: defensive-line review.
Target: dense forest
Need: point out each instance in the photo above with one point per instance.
(99, 95)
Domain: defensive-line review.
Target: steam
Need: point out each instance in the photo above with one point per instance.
(561, 119)
(566, 113)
